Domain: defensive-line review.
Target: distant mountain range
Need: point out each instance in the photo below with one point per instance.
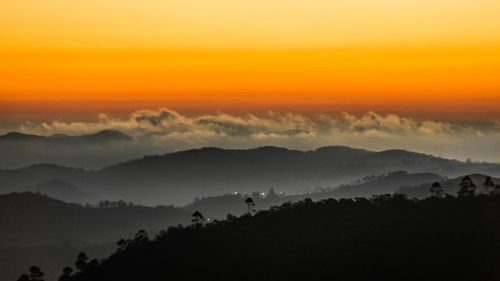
(450, 186)
(180, 177)
(103, 136)
(91, 150)
(62, 190)
(219, 206)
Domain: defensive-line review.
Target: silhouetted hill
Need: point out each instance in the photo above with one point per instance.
(180, 177)
(100, 137)
(39, 229)
(18, 149)
(16, 137)
(58, 189)
(450, 186)
(219, 206)
(25, 178)
(386, 238)
(29, 219)
(14, 260)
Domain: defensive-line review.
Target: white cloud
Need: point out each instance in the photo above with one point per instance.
(163, 130)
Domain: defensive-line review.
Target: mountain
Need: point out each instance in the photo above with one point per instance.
(219, 206)
(18, 149)
(450, 186)
(52, 258)
(181, 176)
(30, 219)
(58, 189)
(386, 238)
(46, 231)
(103, 136)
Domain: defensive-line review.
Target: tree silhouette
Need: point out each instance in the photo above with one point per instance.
(271, 193)
(312, 235)
(141, 236)
(489, 185)
(81, 262)
(122, 244)
(24, 277)
(92, 264)
(66, 273)
(467, 188)
(197, 218)
(437, 190)
(250, 204)
(36, 274)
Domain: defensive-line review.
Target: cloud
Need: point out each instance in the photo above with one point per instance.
(164, 130)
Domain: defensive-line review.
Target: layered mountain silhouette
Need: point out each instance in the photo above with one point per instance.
(219, 206)
(180, 177)
(35, 226)
(102, 137)
(18, 149)
(30, 219)
(38, 229)
(58, 189)
(450, 186)
(384, 238)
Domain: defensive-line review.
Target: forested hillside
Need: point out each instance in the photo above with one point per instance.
(385, 238)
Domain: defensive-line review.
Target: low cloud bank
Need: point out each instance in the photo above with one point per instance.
(164, 130)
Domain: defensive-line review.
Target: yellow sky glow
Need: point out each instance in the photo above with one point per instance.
(358, 52)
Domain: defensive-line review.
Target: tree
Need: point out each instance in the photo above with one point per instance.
(467, 188)
(255, 195)
(81, 262)
(197, 218)
(24, 277)
(66, 273)
(250, 204)
(489, 185)
(92, 264)
(122, 244)
(271, 193)
(36, 274)
(141, 236)
(437, 190)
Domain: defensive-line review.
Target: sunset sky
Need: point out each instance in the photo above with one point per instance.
(420, 57)
(421, 75)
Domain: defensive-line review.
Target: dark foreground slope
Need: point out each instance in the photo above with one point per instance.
(29, 219)
(36, 229)
(387, 238)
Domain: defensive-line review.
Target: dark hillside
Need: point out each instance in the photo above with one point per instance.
(29, 219)
(386, 238)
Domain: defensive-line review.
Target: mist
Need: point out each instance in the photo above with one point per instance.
(162, 131)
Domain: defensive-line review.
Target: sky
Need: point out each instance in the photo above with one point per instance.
(69, 61)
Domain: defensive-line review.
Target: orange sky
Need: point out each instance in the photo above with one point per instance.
(433, 57)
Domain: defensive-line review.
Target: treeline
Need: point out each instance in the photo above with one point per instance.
(387, 237)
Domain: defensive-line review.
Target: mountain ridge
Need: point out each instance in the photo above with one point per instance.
(181, 176)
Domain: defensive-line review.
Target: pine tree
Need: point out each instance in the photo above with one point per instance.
(197, 218)
(437, 190)
(467, 188)
(489, 185)
(250, 204)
